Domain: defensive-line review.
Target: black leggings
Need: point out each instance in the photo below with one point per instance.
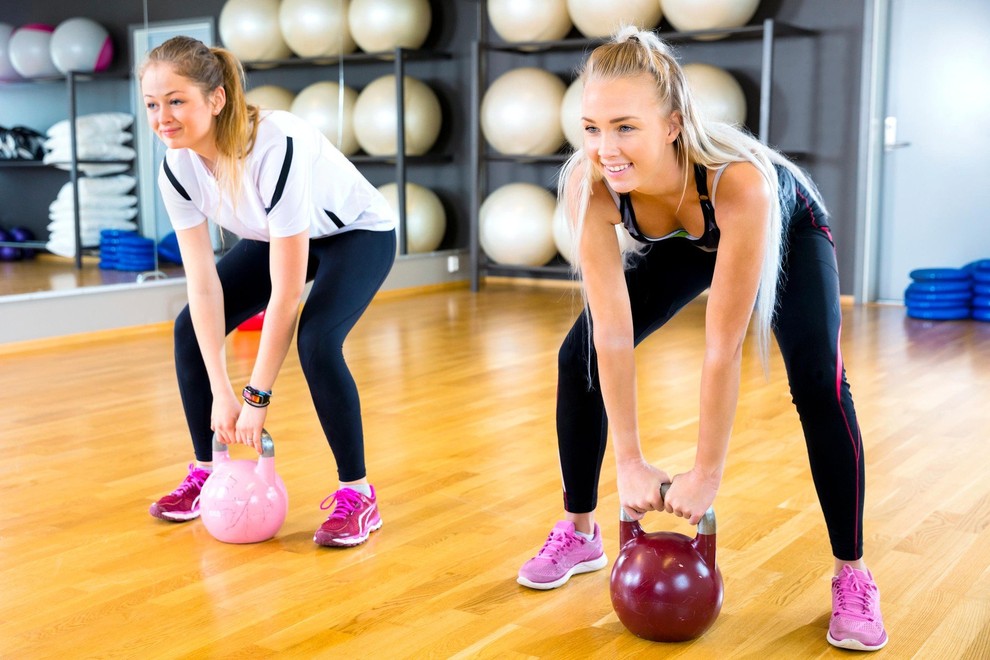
(671, 274)
(346, 270)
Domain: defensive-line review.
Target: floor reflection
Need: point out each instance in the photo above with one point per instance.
(49, 272)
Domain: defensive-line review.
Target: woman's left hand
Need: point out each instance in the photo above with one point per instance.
(249, 425)
(690, 494)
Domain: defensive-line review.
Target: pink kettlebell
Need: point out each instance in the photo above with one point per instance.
(243, 501)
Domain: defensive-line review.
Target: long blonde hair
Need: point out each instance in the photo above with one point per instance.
(236, 127)
(632, 53)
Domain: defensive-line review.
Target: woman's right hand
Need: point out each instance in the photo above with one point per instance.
(639, 487)
(223, 417)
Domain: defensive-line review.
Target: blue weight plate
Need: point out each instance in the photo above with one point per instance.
(938, 287)
(979, 264)
(933, 304)
(981, 314)
(957, 297)
(939, 275)
(982, 276)
(981, 301)
(981, 289)
(950, 314)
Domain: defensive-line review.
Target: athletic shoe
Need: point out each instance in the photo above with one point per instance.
(182, 503)
(351, 521)
(856, 620)
(564, 554)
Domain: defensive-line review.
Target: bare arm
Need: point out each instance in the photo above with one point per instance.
(608, 300)
(743, 212)
(288, 261)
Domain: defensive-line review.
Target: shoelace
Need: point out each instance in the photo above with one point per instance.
(557, 542)
(347, 501)
(853, 598)
(196, 478)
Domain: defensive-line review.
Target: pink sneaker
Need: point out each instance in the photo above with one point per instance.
(856, 620)
(182, 503)
(351, 521)
(563, 555)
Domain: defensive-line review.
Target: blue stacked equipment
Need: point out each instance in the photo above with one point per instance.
(980, 272)
(939, 294)
(126, 250)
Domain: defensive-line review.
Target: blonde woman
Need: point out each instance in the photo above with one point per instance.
(711, 208)
(302, 213)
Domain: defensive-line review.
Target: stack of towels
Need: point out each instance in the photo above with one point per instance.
(104, 199)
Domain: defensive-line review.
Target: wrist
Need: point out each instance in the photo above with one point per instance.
(255, 397)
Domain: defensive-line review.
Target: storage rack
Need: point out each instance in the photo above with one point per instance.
(768, 31)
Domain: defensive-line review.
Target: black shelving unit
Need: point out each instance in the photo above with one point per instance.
(768, 31)
(398, 58)
(71, 81)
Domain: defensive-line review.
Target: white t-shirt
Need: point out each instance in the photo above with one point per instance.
(294, 179)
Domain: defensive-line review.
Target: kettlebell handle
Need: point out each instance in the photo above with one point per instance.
(705, 526)
(267, 444)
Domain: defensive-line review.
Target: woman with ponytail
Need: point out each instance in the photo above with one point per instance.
(302, 213)
(712, 209)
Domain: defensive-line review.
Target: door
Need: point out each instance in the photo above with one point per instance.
(934, 201)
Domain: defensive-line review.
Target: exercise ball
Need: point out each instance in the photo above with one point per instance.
(376, 117)
(717, 94)
(249, 29)
(570, 114)
(516, 225)
(520, 112)
(426, 219)
(690, 15)
(380, 25)
(600, 18)
(81, 44)
(529, 20)
(30, 52)
(313, 28)
(319, 104)
(7, 70)
(270, 97)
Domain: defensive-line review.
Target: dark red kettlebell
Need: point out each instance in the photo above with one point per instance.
(666, 586)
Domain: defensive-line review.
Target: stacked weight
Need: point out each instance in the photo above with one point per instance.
(126, 250)
(939, 294)
(980, 271)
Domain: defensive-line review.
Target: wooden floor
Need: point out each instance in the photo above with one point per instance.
(49, 272)
(458, 396)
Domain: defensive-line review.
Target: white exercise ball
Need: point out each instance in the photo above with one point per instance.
(7, 70)
(690, 15)
(381, 25)
(516, 225)
(30, 52)
(319, 104)
(249, 29)
(376, 117)
(716, 92)
(600, 18)
(520, 112)
(529, 20)
(270, 97)
(570, 114)
(81, 44)
(314, 28)
(426, 219)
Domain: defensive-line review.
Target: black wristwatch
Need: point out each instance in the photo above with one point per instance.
(256, 398)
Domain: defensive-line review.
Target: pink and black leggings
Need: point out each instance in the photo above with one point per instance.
(667, 277)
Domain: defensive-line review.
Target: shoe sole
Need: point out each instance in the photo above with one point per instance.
(347, 543)
(855, 644)
(577, 569)
(172, 516)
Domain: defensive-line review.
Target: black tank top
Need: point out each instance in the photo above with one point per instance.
(708, 241)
